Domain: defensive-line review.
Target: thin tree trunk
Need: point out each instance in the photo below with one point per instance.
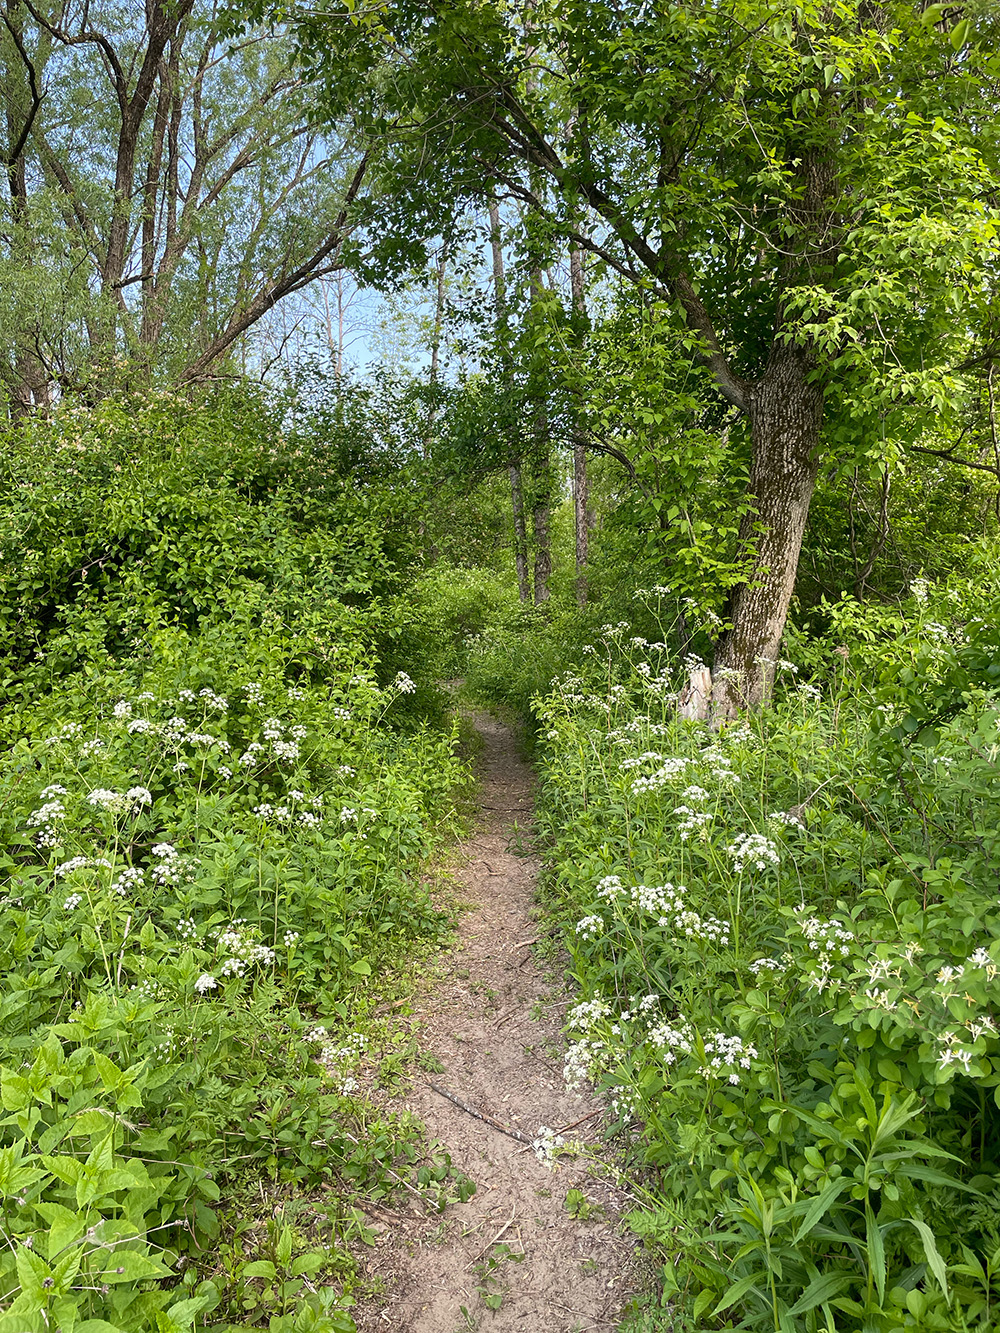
(541, 531)
(581, 518)
(436, 344)
(516, 480)
(541, 468)
(786, 413)
(581, 490)
(520, 532)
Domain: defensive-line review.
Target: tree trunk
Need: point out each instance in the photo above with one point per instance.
(541, 530)
(436, 329)
(520, 532)
(581, 492)
(541, 461)
(516, 481)
(582, 517)
(786, 413)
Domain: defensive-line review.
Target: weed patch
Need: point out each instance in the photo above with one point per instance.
(786, 939)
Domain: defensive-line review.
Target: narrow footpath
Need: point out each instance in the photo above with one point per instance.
(517, 1255)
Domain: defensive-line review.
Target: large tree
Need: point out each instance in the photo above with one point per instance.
(806, 189)
(165, 188)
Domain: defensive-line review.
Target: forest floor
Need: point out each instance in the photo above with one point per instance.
(518, 1255)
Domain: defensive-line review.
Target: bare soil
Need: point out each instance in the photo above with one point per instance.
(494, 1024)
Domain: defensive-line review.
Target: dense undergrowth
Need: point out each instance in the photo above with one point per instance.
(786, 939)
(223, 628)
(227, 762)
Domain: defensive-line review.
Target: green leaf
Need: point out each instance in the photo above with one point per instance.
(931, 1177)
(894, 1116)
(259, 1268)
(308, 1263)
(15, 1093)
(820, 1290)
(68, 1267)
(876, 1249)
(738, 1290)
(132, 1266)
(703, 1301)
(934, 1261)
(65, 1227)
(283, 1250)
(819, 1206)
(959, 34)
(184, 1313)
(32, 1271)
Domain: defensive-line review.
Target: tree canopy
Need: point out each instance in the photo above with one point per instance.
(807, 193)
(165, 187)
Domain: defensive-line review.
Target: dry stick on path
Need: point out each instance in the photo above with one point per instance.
(486, 1119)
(489, 1245)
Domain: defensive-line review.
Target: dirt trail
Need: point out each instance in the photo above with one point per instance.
(494, 1023)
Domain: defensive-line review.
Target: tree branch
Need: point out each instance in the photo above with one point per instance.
(13, 156)
(947, 457)
(265, 300)
(88, 37)
(517, 129)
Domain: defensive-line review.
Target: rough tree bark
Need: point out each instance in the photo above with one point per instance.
(785, 407)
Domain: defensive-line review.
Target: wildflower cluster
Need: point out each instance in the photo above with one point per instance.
(666, 903)
(76, 863)
(240, 943)
(547, 1145)
(606, 1038)
(726, 1057)
(668, 771)
(753, 849)
(296, 808)
(46, 818)
(120, 803)
(340, 1060)
(170, 866)
(828, 944)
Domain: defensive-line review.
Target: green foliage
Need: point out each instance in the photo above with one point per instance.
(214, 807)
(786, 940)
(118, 259)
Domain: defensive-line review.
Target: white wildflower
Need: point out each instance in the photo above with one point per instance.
(753, 849)
(590, 927)
(547, 1144)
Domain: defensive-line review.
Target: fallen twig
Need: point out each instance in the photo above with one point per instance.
(479, 1115)
(582, 1121)
(490, 1244)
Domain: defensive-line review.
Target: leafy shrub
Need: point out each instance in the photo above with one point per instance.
(786, 940)
(215, 804)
